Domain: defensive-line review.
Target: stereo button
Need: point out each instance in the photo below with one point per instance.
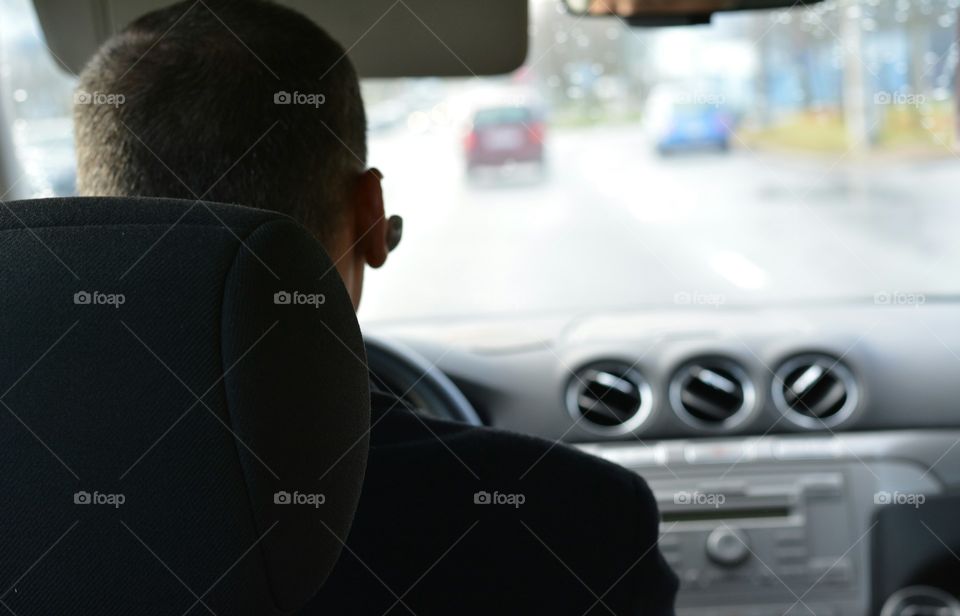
(727, 547)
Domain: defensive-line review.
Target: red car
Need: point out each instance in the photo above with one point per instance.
(501, 136)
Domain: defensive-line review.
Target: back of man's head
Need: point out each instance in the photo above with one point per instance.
(236, 101)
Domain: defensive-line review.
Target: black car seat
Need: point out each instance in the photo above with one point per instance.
(183, 409)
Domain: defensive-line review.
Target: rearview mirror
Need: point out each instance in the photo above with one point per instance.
(669, 12)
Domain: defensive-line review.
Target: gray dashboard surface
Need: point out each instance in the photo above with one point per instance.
(906, 360)
(902, 440)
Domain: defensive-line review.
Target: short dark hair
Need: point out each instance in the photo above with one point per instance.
(244, 101)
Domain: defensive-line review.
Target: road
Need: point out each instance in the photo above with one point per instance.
(612, 225)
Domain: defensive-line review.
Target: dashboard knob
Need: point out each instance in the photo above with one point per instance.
(921, 600)
(727, 547)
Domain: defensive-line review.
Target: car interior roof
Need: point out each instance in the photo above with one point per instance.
(424, 37)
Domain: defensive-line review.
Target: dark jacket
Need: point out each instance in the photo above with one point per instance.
(455, 519)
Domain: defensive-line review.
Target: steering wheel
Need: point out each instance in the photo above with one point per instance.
(401, 371)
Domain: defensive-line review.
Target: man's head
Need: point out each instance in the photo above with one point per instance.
(235, 101)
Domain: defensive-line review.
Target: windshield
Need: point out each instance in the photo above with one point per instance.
(793, 155)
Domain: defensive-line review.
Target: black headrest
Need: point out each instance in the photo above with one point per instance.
(183, 409)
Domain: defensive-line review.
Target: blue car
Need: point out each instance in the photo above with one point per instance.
(695, 128)
(678, 124)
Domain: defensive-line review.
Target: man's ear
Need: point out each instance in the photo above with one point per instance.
(370, 218)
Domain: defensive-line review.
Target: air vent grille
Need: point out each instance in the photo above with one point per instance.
(712, 393)
(815, 390)
(609, 397)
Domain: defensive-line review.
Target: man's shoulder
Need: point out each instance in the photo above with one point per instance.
(496, 506)
(490, 458)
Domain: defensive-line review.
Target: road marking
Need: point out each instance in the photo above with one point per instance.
(739, 270)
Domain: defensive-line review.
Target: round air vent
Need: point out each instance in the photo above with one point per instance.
(815, 391)
(609, 398)
(713, 393)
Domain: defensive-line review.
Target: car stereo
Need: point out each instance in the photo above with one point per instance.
(782, 538)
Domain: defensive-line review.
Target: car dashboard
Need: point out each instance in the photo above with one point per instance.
(780, 442)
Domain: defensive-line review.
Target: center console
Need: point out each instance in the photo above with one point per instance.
(785, 539)
(777, 525)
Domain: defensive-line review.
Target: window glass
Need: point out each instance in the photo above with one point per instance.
(806, 154)
(37, 96)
